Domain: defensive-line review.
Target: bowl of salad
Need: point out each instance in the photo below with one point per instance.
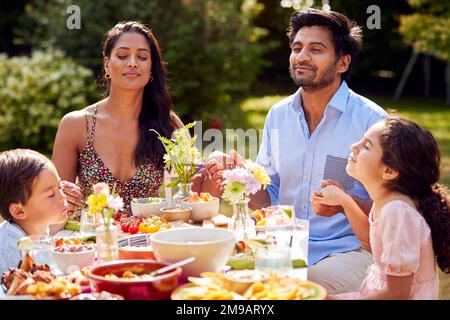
(72, 254)
(147, 207)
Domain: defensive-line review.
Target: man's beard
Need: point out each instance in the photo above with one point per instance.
(313, 83)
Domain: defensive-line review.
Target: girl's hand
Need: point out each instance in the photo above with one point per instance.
(330, 195)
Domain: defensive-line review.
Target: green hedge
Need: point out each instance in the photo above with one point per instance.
(35, 93)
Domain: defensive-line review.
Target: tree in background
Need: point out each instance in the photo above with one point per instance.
(211, 47)
(428, 29)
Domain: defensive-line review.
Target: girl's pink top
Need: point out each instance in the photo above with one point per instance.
(401, 245)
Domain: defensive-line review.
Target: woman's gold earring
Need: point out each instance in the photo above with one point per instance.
(107, 76)
(151, 78)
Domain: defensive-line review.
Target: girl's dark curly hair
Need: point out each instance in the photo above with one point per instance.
(414, 153)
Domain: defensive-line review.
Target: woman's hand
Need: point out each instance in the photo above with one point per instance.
(73, 196)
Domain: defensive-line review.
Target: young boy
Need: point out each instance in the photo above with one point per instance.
(30, 200)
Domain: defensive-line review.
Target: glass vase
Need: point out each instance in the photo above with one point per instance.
(240, 223)
(107, 238)
(184, 191)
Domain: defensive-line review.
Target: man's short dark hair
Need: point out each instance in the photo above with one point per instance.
(347, 35)
(18, 169)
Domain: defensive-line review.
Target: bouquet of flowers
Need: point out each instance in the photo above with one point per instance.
(181, 155)
(104, 203)
(240, 182)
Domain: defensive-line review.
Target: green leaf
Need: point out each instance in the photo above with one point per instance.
(173, 183)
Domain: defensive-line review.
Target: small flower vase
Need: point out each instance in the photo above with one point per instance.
(185, 191)
(107, 242)
(240, 223)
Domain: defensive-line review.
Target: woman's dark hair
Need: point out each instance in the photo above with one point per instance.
(18, 169)
(414, 153)
(156, 103)
(347, 35)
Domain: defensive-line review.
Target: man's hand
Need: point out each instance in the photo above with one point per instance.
(236, 158)
(323, 209)
(212, 178)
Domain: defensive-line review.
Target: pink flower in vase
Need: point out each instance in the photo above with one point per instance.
(101, 187)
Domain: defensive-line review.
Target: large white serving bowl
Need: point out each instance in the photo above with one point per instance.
(202, 210)
(70, 261)
(147, 209)
(211, 247)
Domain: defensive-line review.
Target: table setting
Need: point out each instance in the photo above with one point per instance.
(108, 254)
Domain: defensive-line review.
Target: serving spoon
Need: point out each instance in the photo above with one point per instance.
(172, 266)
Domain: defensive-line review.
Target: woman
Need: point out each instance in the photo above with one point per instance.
(110, 140)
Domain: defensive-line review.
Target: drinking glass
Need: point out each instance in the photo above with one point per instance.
(279, 224)
(88, 223)
(280, 214)
(300, 239)
(273, 259)
(40, 250)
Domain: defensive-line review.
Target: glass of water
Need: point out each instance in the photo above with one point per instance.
(40, 250)
(300, 239)
(279, 223)
(273, 259)
(88, 223)
(280, 214)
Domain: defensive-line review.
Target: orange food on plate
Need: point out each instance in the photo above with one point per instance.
(203, 197)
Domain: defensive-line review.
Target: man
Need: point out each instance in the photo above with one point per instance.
(306, 143)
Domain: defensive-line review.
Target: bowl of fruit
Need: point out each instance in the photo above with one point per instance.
(147, 207)
(204, 206)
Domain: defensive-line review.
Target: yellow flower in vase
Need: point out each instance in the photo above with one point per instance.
(106, 204)
(261, 175)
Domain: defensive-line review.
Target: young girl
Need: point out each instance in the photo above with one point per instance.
(409, 225)
(30, 200)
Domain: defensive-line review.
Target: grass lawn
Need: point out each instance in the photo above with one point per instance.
(433, 114)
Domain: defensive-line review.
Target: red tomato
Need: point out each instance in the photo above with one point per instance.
(133, 229)
(125, 227)
(124, 215)
(59, 242)
(241, 246)
(117, 216)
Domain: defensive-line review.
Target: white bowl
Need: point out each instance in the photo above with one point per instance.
(71, 261)
(211, 247)
(147, 209)
(202, 210)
